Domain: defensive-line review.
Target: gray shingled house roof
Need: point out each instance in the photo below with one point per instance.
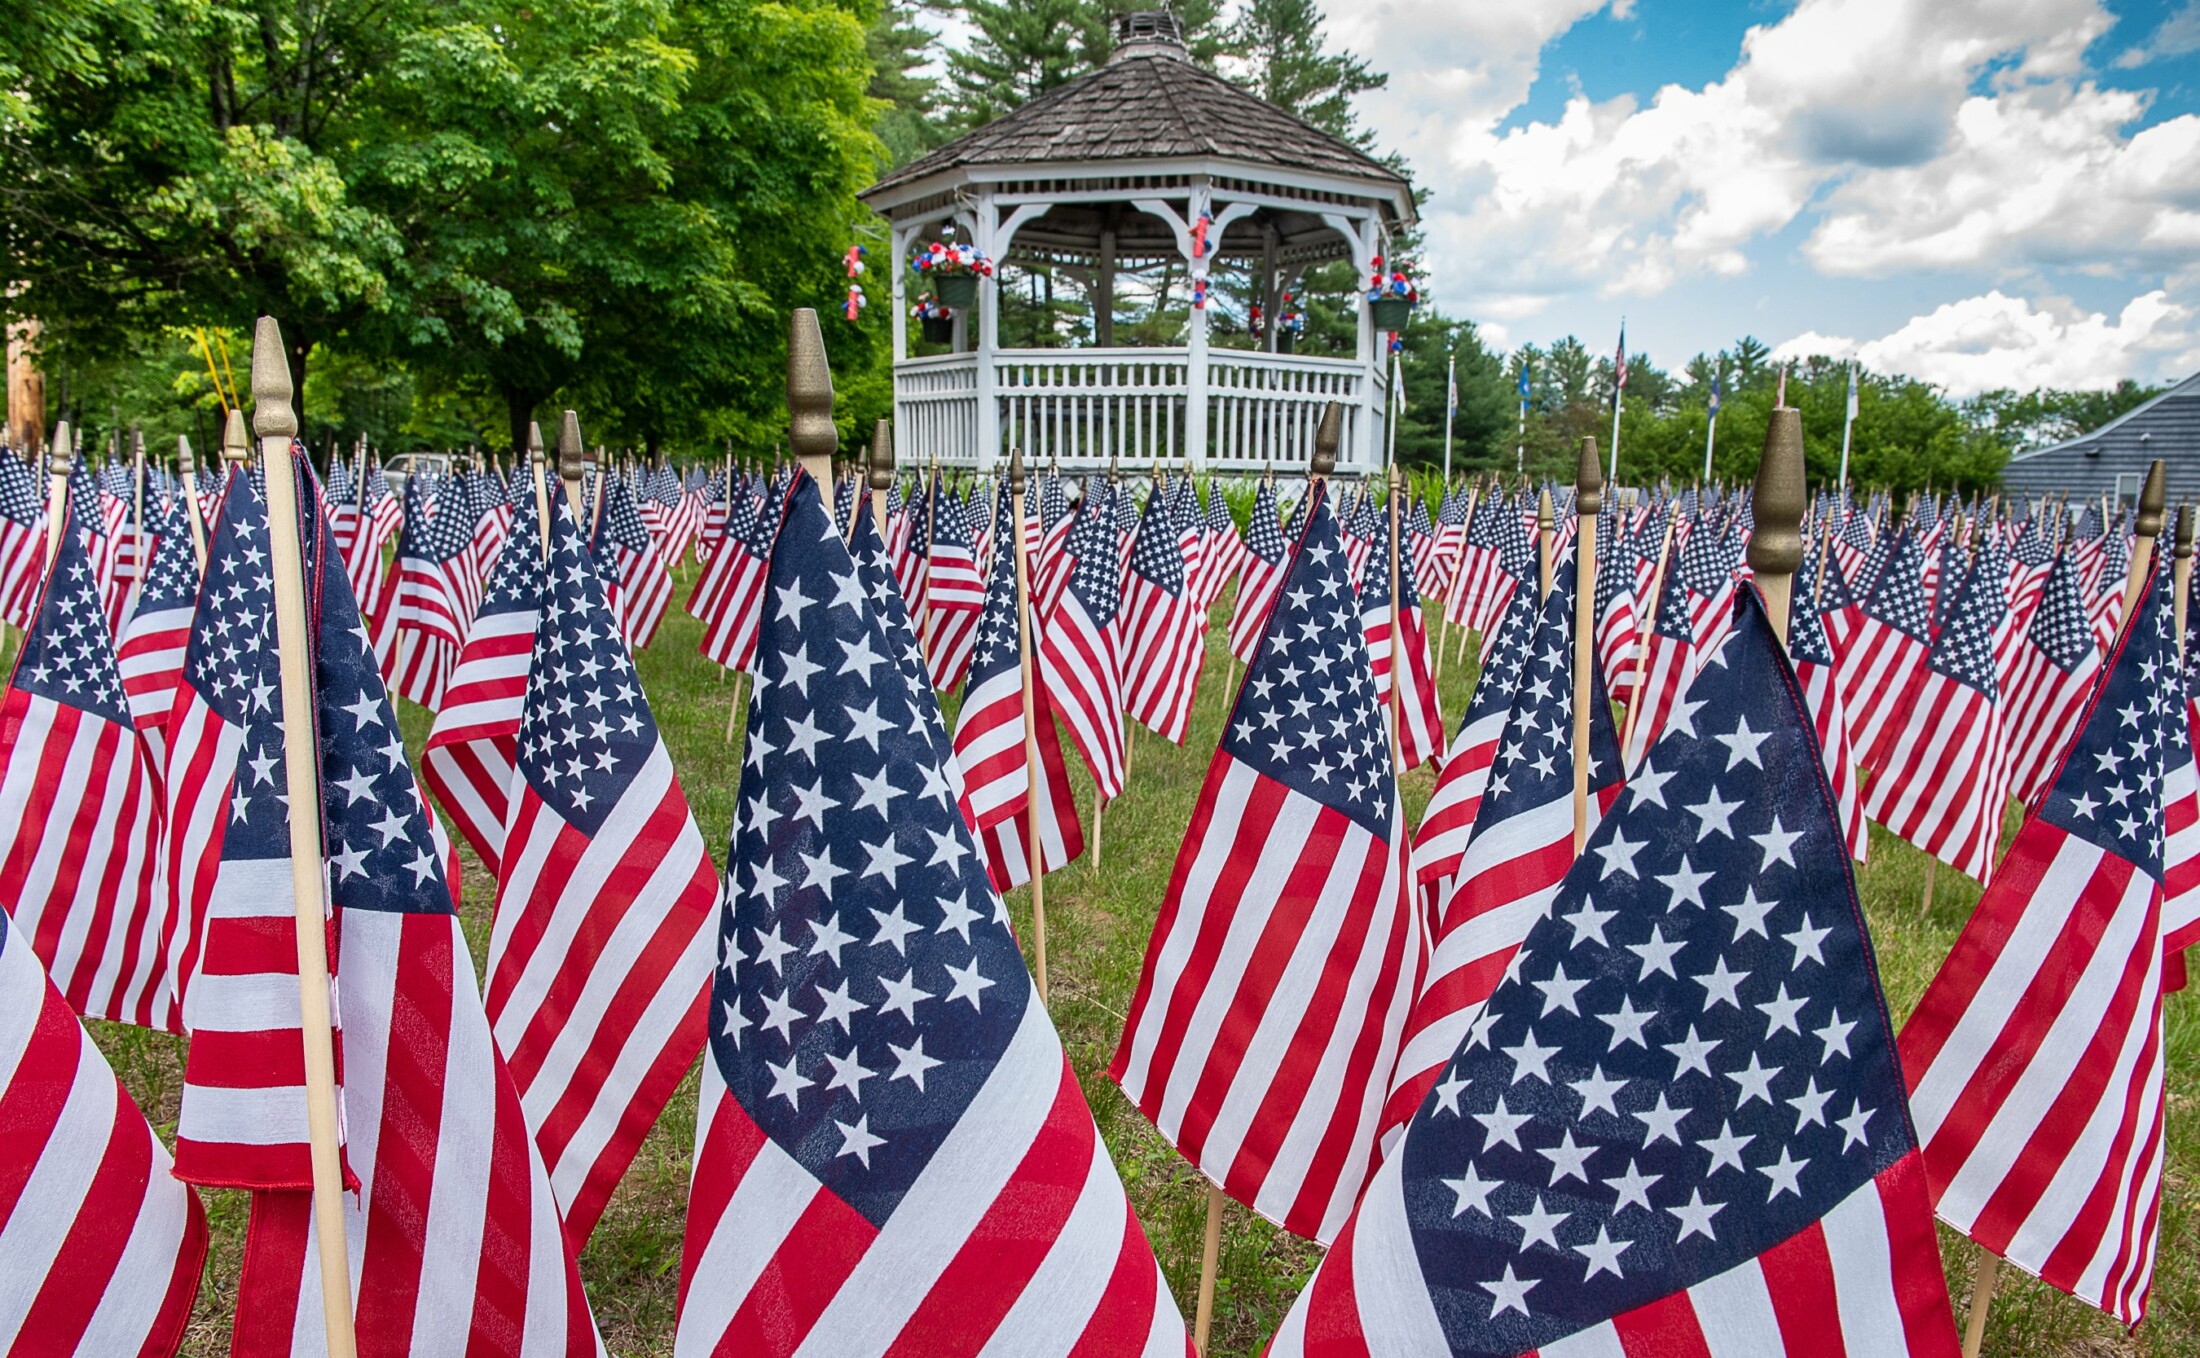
(2167, 427)
(1149, 102)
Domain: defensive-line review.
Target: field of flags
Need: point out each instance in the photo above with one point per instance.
(1116, 915)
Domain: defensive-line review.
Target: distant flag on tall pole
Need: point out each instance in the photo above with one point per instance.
(1619, 390)
(1520, 452)
(1848, 424)
(1711, 422)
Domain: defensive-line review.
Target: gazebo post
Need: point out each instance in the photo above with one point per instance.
(1103, 314)
(899, 290)
(988, 338)
(1195, 362)
(1271, 300)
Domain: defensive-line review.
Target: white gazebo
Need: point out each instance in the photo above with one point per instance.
(1114, 171)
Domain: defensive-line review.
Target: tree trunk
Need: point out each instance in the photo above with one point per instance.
(519, 405)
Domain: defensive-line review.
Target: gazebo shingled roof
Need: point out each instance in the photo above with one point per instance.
(1147, 103)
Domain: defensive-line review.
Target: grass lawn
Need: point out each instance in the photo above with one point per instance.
(1099, 912)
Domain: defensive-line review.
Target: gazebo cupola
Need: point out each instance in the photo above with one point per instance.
(1103, 182)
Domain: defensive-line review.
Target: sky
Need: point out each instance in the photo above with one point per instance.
(1980, 193)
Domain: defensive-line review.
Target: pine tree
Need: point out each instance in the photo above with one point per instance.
(1020, 49)
(898, 47)
(1279, 43)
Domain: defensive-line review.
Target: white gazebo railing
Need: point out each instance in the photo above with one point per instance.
(1082, 407)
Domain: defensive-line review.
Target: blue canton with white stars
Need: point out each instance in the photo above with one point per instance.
(19, 497)
(867, 981)
(1264, 531)
(585, 730)
(1897, 597)
(232, 664)
(2059, 626)
(998, 645)
(68, 657)
(1096, 577)
(1307, 716)
(1964, 650)
(1156, 554)
(1688, 1059)
(515, 582)
(2109, 791)
(1534, 763)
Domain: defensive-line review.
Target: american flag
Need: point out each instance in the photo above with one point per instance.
(1810, 650)
(1081, 643)
(990, 730)
(736, 578)
(633, 568)
(2035, 1057)
(432, 611)
(1671, 658)
(22, 540)
(1260, 572)
(1421, 733)
(102, 1246)
(1421, 547)
(1052, 562)
(468, 761)
(1940, 773)
(1618, 630)
(1447, 823)
(104, 517)
(489, 507)
(452, 1233)
(951, 591)
(1358, 526)
(1266, 1020)
(600, 953)
(892, 1152)
(1451, 537)
(1678, 1125)
(2105, 590)
(150, 650)
(1161, 626)
(80, 820)
(1521, 846)
(2053, 674)
(1222, 551)
(1891, 638)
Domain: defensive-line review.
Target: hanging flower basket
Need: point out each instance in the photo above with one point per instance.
(957, 289)
(935, 321)
(1392, 295)
(1287, 341)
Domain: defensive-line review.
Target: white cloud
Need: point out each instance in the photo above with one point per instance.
(1995, 340)
(2178, 36)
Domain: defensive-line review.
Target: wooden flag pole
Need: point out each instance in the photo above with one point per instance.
(1397, 638)
(187, 467)
(1982, 1298)
(1588, 504)
(137, 507)
(878, 479)
(1543, 532)
(2181, 576)
(1032, 772)
(1646, 622)
(60, 462)
(1451, 591)
(540, 475)
(276, 423)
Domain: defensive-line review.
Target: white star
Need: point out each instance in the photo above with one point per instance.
(821, 871)
(792, 601)
(903, 995)
(827, 938)
(1539, 1225)
(1852, 1126)
(1597, 1092)
(736, 1024)
(848, 1074)
(1633, 1187)
(1531, 1058)
(1778, 844)
(866, 724)
(1742, 745)
(1473, 1191)
(1714, 816)
(1683, 717)
(1810, 1105)
(956, 914)
(1726, 1148)
(857, 1140)
(886, 860)
(1835, 1036)
(948, 850)
(367, 712)
(799, 667)
(1786, 1175)
(350, 862)
(1628, 1022)
(1603, 1254)
(1663, 1122)
(1749, 916)
(1648, 785)
(1691, 1054)
(1780, 1012)
(1657, 954)
(811, 803)
(969, 985)
(1755, 1082)
(1619, 855)
(894, 929)
(1568, 1161)
(1511, 1293)
(787, 1084)
(1806, 942)
(1559, 991)
(780, 1015)
(1589, 922)
(771, 947)
(1695, 1216)
(803, 738)
(1448, 1092)
(839, 1005)
(1500, 1125)
(1721, 985)
(1684, 886)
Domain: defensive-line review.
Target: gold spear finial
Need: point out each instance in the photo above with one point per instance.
(881, 475)
(236, 442)
(187, 462)
(534, 441)
(1588, 480)
(1328, 437)
(61, 453)
(2184, 531)
(572, 453)
(1779, 498)
(2153, 497)
(1016, 471)
(810, 430)
(272, 417)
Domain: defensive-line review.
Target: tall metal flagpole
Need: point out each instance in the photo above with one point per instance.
(1451, 408)
(1520, 449)
(1848, 422)
(1619, 390)
(1711, 426)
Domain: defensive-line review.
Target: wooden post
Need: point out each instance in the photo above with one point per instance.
(1982, 1297)
(539, 472)
(187, 467)
(1397, 637)
(60, 462)
(1588, 504)
(276, 423)
(1543, 532)
(137, 506)
(1776, 508)
(1210, 1256)
(2152, 498)
(879, 479)
(1032, 772)
(2181, 575)
(810, 430)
